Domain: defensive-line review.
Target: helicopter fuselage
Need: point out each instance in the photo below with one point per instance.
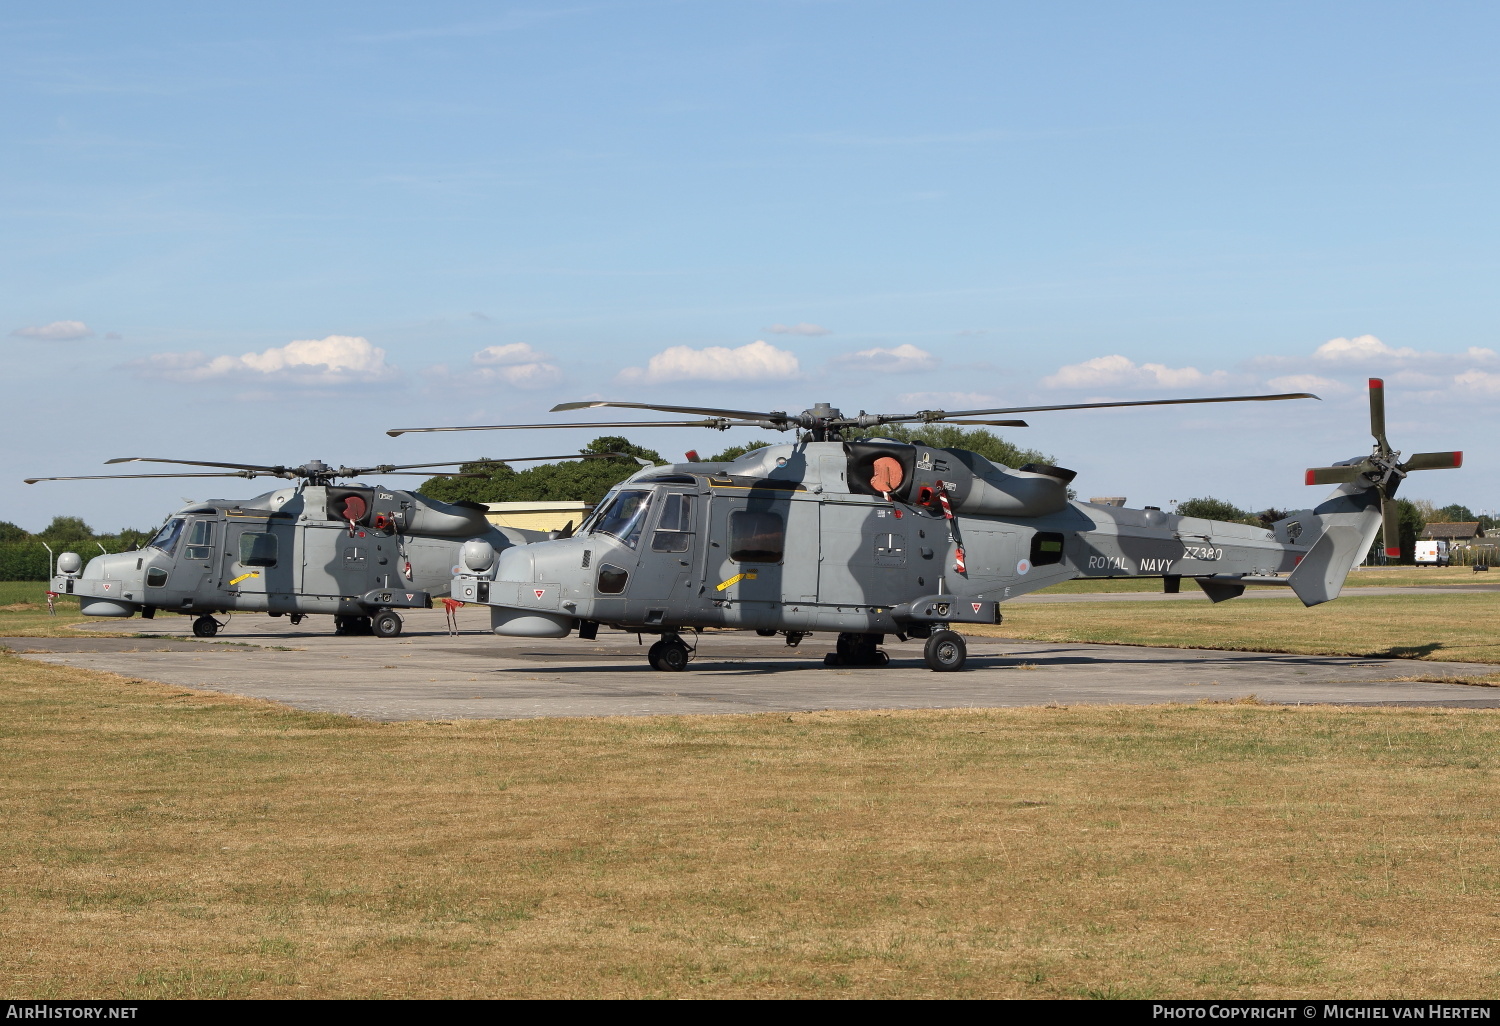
(872, 537)
(347, 550)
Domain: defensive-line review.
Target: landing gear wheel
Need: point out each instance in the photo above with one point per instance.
(296, 618)
(386, 624)
(669, 655)
(857, 650)
(344, 626)
(205, 626)
(945, 651)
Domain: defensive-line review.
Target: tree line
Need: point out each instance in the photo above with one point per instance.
(24, 557)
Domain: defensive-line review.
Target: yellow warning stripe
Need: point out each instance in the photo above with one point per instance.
(241, 577)
(748, 575)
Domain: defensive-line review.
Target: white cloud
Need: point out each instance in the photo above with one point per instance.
(1360, 349)
(336, 359)
(1307, 383)
(517, 365)
(803, 328)
(1478, 382)
(57, 331)
(1121, 372)
(756, 361)
(904, 359)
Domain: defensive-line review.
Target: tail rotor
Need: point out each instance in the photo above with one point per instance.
(1383, 471)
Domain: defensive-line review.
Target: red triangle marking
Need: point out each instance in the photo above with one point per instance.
(539, 592)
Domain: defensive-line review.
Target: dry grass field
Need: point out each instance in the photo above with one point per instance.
(1452, 627)
(159, 842)
(1363, 577)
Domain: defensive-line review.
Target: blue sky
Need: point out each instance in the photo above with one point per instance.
(269, 234)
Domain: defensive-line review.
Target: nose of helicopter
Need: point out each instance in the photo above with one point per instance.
(118, 566)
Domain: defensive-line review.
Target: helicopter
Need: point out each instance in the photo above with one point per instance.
(357, 551)
(869, 537)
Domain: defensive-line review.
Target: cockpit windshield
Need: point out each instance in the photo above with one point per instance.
(623, 516)
(166, 539)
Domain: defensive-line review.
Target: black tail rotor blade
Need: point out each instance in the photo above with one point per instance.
(1434, 461)
(1390, 527)
(1377, 414)
(1335, 475)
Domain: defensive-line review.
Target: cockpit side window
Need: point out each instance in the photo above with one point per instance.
(166, 539)
(201, 540)
(625, 516)
(674, 531)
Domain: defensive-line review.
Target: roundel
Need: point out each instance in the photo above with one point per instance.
(1023, 567)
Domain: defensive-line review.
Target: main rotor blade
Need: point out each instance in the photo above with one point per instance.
(991, 423)
(1335, 475)
(1377, 414)
(1433, 461)
(117, 477)
(944, 415)
(196, 463)
(390, 468)
(1390, 527)
(716, 424)
(705, 410)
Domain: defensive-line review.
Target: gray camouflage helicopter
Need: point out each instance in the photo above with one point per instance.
(356, 551)
(870, 537)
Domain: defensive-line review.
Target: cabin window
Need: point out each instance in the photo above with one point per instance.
(1046, 547)
(201, 540)
(257, 549)
(756, 536)
(674, 530)
(625, 517)
(612, 579)
(156, 577)
(166, 539)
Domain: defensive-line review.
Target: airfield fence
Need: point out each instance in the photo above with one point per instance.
(1470, 555)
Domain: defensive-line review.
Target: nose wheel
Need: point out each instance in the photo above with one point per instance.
(669, 654)
(206, 626)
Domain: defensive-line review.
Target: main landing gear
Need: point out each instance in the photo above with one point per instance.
(857, 650)
(206, 626)
(344, 626)
(670, 653)
(945, 651)
(384, 624)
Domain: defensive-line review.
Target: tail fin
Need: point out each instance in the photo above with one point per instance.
(1339, 532)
